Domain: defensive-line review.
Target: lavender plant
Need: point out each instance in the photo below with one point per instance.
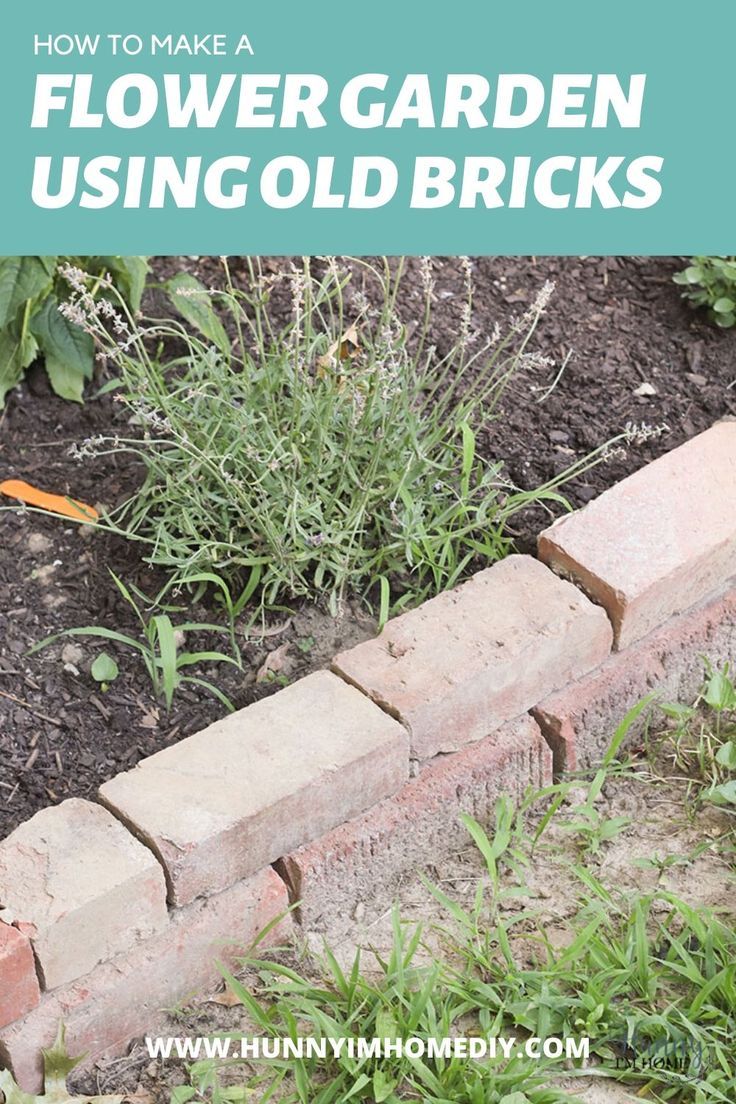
(327, 454)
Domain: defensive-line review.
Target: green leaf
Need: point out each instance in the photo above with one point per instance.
(724, 794)
(17, 351)
(719, 692)
(130, 276)
(104, 668)
(166, 659)
(68, 349)
(57, 1067)
(195, 305)
(383, 1086)
(22, 278)
(724, 305)
(726, 755)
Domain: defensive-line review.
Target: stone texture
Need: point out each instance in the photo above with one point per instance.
(19, 991)
(226, 801)
(659, 541)
(359, 865)
(461, 665)
(580, 720)
(80, 887)
(126, 997)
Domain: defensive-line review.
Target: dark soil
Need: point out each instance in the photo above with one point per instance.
(61, 734)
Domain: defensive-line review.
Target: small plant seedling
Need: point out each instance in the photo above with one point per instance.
(306, 644)
(158, 646)
(104, 670)
(711, 282)
(57, 1066)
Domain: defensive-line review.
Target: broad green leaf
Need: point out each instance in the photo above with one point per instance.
(383, 1086)
(193, 302)
(726, 755)
(22, 278)
(725, 794)
(68, 349)
(129, 274)
(719, 692)
(17, 351)
(104, 668)
(724, 305)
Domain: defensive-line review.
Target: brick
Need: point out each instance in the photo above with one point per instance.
(461, 665)
(19, 990)
(658, 542)
(362, 863)
(238, 795)
(80, 887)
(579, 721)
(127, 997)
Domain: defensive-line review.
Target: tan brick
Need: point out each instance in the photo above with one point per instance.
(461, 665)
(128, 996)
(19, 991)
(659, 541)
(80, 887)
(246, 790)
(362, 863)
(579, 721)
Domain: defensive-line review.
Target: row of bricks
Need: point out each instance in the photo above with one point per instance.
(84, 882)
(79, 889)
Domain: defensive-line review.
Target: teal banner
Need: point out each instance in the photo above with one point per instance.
(412, 127)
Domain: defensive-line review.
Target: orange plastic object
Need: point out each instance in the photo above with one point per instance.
(55, 504)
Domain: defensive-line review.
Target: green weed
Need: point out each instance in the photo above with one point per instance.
(711, 282)
(160, 643)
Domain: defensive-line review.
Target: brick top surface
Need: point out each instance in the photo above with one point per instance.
(660, 540)
(463, 663)
(670, 511)
(232, 798)
(63, 858)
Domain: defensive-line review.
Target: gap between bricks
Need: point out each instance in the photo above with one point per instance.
(544, 654)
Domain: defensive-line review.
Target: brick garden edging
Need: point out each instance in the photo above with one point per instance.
(334, 788)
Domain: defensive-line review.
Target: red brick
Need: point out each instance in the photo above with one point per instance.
(126, 997)
(363, 862)
(19, 991)
(461, 665)
(658, 542)
(78, 884)
(580, 721)
(224, 802)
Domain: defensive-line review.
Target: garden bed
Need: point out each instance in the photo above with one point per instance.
(61, 736)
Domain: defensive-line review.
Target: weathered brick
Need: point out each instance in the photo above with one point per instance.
(659, 541)
(226, 801)
(361, 863)
(580, 720)
(80, 887)
(19, 990)
(126, 997)
(459, 666)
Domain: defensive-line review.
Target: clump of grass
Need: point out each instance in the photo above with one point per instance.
(647, 978)
(702, 740)
(160, 641)
(332, 454)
